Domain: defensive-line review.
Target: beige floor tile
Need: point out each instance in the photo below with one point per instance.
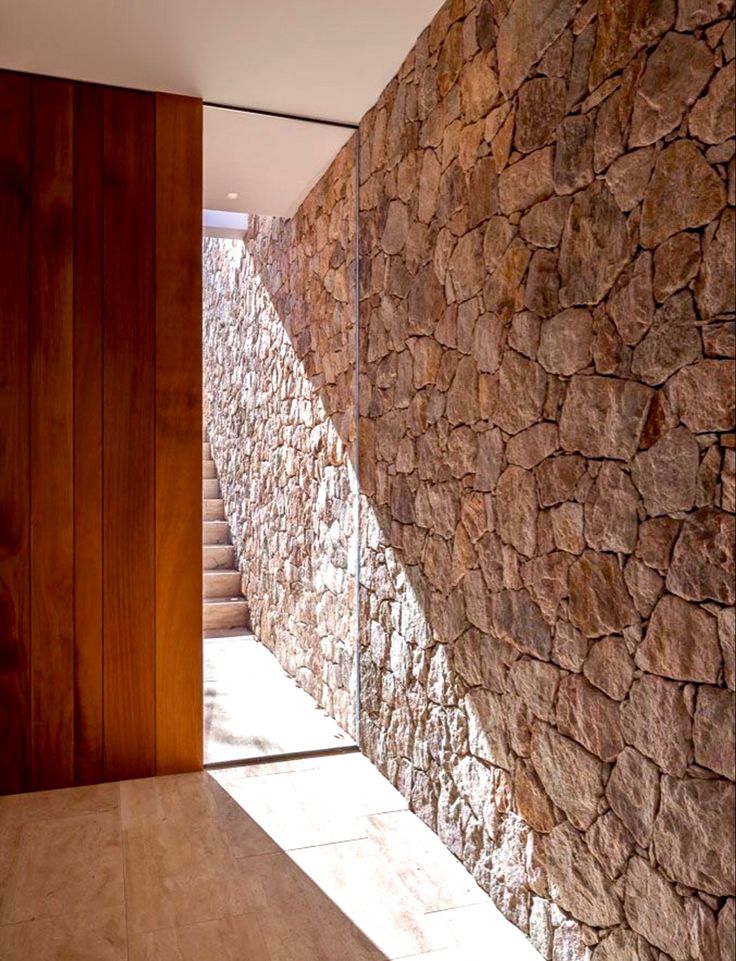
(431, 874)
(19, 809)
(352, 776)
(296, 810)
(186, 799)
(163, 848)
(178, 797)
(321, 805)
(360, 784)
(227, 939)
(297, 919)
(63, 866)
(360, 880)
(450, 954)
(200, 871)
(91, 936)
(67, 802)
(479, 953)
(176, 900)
(244, 835)
(10, 835)
(479, 932)
(178, 872)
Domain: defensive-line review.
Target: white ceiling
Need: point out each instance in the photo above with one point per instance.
(270, 163)
(318, 58)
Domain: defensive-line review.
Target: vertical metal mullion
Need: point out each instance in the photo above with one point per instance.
(356, 439)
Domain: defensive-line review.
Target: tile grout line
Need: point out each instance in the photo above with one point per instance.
(481, 902)
(320, 844)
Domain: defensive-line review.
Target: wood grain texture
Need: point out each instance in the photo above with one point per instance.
(128, 423)
(179, 699)
(100, 427)
(14, 399)
(88, 664)
(51, 434)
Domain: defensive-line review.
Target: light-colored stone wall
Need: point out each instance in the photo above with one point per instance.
(279, 362)
(547, 460)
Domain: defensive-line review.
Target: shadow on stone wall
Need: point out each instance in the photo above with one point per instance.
(547, 463)
(547, 456)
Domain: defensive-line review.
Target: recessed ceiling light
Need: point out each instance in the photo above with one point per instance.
(232, 196)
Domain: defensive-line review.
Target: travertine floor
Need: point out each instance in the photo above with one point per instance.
(252, 708)
(314, 860)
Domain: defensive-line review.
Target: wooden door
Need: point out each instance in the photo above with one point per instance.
(100, 433)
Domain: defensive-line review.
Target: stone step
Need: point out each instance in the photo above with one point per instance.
(218, 557)
(210, 488)
(208, 469)
(226, 614)
(213, 510)
(222, 584)
(206, 451)
(215, 532)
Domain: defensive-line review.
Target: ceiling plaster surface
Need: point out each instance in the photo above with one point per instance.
(315, 58)
(271, 164)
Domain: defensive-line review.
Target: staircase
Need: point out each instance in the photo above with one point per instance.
(225, 608)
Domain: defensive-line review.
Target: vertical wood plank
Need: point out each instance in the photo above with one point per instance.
(88, 744)
(179, 696)
(14, 424)
(128, 426)
(52, 427)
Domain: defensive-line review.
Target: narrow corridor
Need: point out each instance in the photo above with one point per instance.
(314, 860)
(252, 708)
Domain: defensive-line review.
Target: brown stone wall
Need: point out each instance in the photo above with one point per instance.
(279, 361)
(547, 462)
(547, 457)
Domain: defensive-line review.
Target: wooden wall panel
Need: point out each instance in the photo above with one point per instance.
(88, 665)
(14, 401)
(51, 434)
(178, 434)
(100, 433)
(128, 425)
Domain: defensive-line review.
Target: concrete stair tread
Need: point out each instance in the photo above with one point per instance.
(226, 603)
(224, 584)
(225, 613)
(215, 532)
(213, 509)
(218, 557)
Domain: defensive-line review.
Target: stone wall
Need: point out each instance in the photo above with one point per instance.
(547, 462)
(279, 361)
(546, 399)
